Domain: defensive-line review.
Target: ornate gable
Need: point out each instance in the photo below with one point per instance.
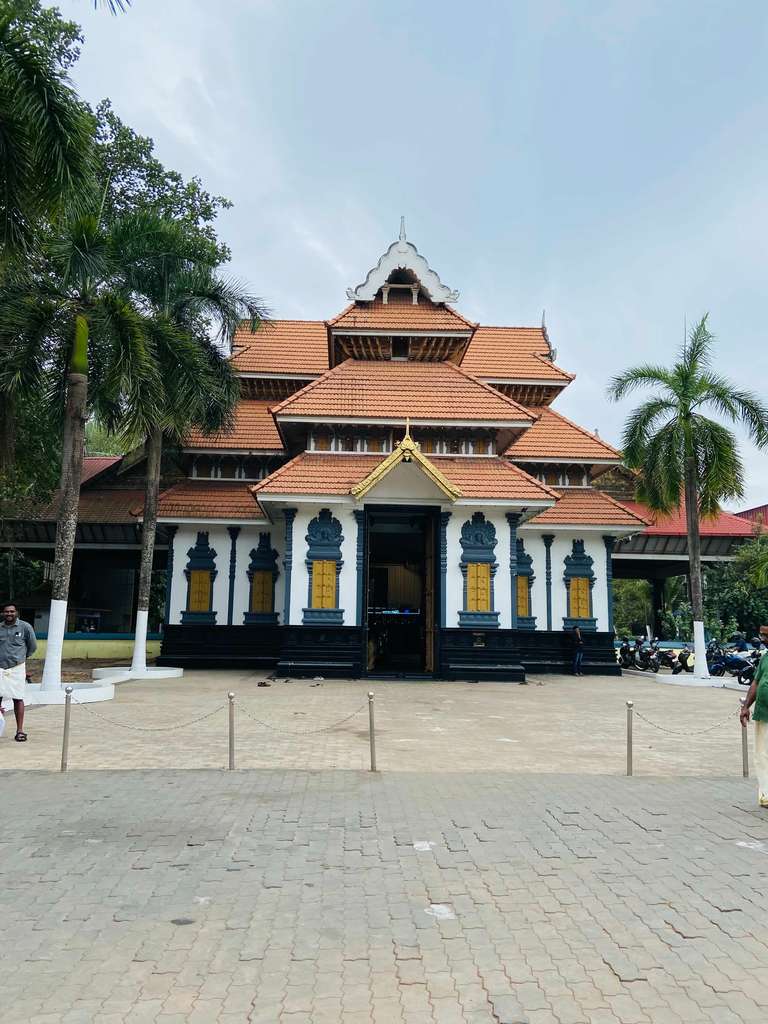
(402, 255)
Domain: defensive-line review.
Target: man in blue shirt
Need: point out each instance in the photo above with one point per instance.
(17, 642)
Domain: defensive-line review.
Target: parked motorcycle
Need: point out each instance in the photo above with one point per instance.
(626, 655)
(747, 674)
(646, 656)
(667, 658)
(721, 660)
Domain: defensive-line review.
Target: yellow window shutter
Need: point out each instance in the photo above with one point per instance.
(483, 587)
(580, 598)
(478, 587)
(262, 591)
(523, 596)
(324, 584)
(199, 590)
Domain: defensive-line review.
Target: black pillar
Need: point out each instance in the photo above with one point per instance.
(657, 605)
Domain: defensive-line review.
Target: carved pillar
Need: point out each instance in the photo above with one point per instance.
(548, 538)
(359, 515)
(233, 532)
(513, 518)
(171, 531)
(610, 543)
(289, 514)
(444, 517)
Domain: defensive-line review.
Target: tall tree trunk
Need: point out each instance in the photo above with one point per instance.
(7, 433)
(700, 669)
(151, 493)
(71, 473)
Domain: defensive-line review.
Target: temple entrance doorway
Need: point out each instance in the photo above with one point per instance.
(400, 582)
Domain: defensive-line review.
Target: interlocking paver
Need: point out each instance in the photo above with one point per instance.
(276, 896)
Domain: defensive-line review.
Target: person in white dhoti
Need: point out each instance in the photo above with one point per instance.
(758, 695)
(17, 642)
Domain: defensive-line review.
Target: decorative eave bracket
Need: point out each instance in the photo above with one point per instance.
(406, 450)
(402, 255)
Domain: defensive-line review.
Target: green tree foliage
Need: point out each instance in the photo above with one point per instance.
(133, 180)
(20, 576)
(45, 129)
(631, 606)
(99, 441)
(680, 450)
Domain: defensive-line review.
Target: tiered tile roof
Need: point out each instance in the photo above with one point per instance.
(553, 436)
(392, 391)
(583, 506)
(399, 314)
(254, 429)
(281, 346)
(97, 505)
(331, 474)
(512, 353)
(207, 499)
(95, 464)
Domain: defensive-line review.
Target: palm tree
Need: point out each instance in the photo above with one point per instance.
(681, 452)
(93, 334)
(45, 139)
(194, 312)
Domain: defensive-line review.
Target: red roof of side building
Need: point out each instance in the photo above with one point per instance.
(394, 391)
(207, 499)
(284, 347)
(583, 506)
(759, 514)
(553, 436)
(331, 474)
(726, 524)
(254, 429)
(95, 464)
(400, 314)
(107, 505)
(512, 353)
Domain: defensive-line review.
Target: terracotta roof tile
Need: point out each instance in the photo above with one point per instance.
(726, 524)
(583, 506)
(553, 436)
(387, 391)
(110, 505)
(254, 429)
(512, 353)
(316, 473)
(208, 499)
(95, 464)
(399, 314)
(281, 346)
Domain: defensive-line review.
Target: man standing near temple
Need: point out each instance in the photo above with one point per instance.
(758, 695)
(17, 643)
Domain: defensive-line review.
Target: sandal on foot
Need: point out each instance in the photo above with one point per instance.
(20, 737)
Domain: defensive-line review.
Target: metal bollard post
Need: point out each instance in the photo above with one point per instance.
(65, 736)
(630, 706)
(744, 745)
(371, 732)
(231, 731)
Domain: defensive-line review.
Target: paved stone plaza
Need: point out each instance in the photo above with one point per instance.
(554, 724)
(498, 870)
(306, 898)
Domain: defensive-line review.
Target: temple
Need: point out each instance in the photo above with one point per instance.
(397, 496)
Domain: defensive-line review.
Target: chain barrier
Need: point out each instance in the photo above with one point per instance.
(299, 732)
(686, 732)
(150, 728)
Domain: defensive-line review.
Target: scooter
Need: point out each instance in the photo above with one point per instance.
(682, 662)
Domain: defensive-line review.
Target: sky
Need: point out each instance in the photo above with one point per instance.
(605, 161)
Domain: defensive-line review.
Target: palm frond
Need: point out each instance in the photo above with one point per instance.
(646, 375)
(719, 466)
(640, 427)
(735, 404)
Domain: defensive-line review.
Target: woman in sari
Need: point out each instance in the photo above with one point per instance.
(758, 695)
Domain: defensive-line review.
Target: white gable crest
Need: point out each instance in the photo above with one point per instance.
(402, 255)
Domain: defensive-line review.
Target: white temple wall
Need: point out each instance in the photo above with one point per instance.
(219, 539)
(300, 575)
(562, 546)
(502, 601)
